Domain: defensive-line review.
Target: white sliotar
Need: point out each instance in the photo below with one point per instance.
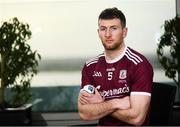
(89, 88)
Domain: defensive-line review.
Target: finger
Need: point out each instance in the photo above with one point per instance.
(97, 92)
(83, 101)
(86, 99)
(84, 93)
(103, 98)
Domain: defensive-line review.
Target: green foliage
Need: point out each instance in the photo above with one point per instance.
(168, 50)
(18, 62)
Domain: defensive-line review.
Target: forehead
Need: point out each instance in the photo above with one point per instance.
(109, 22)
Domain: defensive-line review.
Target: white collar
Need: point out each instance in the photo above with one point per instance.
(117, 58)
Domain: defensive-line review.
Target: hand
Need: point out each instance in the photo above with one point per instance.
(87, 98)
(122, 103)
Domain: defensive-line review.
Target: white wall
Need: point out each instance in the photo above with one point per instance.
(67, 28)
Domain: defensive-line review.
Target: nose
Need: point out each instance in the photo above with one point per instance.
(108, 33)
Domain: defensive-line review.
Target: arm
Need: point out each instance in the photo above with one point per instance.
(94, 111)
(93, 106)
(142, 78)
(136, 114)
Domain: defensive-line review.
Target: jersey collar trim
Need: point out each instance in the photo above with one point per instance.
(117, 58)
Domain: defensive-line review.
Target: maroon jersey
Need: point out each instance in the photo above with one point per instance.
(128, 74)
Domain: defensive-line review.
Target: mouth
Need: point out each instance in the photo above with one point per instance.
(109, 40)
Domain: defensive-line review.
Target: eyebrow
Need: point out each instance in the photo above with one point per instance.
(110, 26)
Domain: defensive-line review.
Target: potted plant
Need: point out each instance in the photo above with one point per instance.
(168, 50)
(18, 65)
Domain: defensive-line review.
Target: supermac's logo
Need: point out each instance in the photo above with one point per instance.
(123, 74)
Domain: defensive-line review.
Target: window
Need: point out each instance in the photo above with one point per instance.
(65, 32)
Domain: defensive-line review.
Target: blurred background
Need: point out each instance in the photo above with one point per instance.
(64, 32)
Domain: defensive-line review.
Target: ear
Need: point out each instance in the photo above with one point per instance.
(125, 30)
(98, 31)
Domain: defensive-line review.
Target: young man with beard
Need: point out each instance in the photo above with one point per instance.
(121, 76)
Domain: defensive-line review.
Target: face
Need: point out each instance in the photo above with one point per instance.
(111, 33)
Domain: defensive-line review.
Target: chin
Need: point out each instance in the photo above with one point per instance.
(110, 48)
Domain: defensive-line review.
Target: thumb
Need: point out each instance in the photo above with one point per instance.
(97, 92)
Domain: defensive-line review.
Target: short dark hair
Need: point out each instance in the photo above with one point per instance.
(111, 13)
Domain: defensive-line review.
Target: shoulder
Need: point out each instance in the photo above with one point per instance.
(94, 60)
(138, 63)
(135, 57)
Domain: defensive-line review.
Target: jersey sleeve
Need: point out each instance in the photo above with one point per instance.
(142, 79)
(86, 76)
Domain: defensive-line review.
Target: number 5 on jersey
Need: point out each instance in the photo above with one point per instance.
(110, 75)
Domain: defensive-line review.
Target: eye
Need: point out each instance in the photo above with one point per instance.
(102, 28)
(114, 28)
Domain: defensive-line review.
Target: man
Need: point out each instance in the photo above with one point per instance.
(122, 78)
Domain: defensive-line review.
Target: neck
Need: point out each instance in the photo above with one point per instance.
(112, 54)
